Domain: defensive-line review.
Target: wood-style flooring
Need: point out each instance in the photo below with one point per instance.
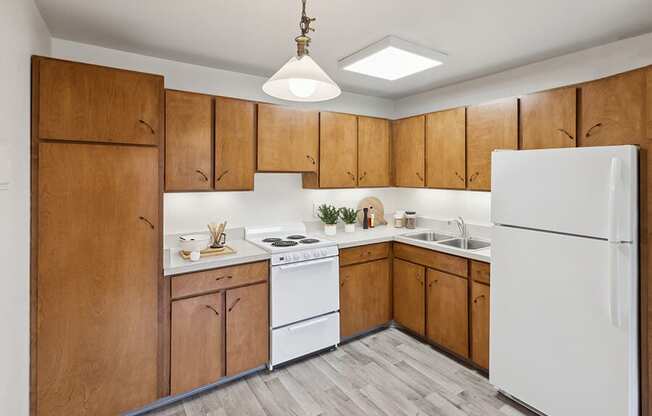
(388, 373)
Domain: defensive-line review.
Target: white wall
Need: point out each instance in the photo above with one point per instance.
(22, 33)
(573, 68)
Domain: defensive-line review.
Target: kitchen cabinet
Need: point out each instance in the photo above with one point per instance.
(432, 259)
(364, 253)
(338, 150)
(95, 291)
(197, 342)
(247, 327)
(81, 102)
(480, 324)
(408, 152)
(613, 110)
(365, 296)
(447, 312)
(409, 295)
(373, 152)
(188, 141)
(235, 144)
(548, 119)
(288, 139)
(446, 149)
(489, 127)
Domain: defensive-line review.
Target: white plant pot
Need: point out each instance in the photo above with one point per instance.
(330, 229)
(349, 228)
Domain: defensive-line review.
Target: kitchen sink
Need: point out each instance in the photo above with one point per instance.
(466, 244)
(429, 236)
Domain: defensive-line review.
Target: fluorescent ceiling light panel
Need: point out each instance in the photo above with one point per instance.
(392, 58)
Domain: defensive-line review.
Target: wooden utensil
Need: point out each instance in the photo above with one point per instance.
(377, 208)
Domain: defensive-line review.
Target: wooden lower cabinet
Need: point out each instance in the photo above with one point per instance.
(247, 328)
(447, 309)
(197, 348)
(480, 324)
(409, 295)
(365, 297)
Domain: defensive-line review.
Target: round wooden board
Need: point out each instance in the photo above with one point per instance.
(377, 207)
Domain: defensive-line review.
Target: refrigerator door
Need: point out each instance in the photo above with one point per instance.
(553, 342)
(567, 190)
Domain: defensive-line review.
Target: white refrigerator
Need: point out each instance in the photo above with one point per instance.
(564, 280)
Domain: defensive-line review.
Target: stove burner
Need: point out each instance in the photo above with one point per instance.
(284, 243)
(296, 237)
(309, 241)
(271, 240)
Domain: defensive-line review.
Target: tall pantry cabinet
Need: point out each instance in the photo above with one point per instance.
(96, 239)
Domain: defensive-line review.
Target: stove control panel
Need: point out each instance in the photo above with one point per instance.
(304, 255)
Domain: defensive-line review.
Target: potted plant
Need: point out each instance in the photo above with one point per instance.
(350, 217)
(328, 214)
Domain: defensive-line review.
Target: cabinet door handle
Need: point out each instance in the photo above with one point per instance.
(364, 175)
(459, 176)
(151, 129)
(147, 221)
(213, 309)
(223, 277)
(478, 298)
(474, 176)
(219, 178)
(234, 303)
(566, 133)
(589, 131)
(312, 159)
(419, 176)
(352, 176)
(203, 175)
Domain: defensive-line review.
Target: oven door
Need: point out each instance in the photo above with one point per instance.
(304, 290)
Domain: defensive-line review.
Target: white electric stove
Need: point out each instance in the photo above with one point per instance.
(304, 290)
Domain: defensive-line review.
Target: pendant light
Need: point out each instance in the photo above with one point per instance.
(301, 79)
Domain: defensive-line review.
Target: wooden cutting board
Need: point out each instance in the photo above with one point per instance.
(377, 207)
(209, 252)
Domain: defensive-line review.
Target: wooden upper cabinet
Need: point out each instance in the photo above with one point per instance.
(446, 149)
(247, 328)
(338, 150)
(489, 127)
(288, 139)
(188, 141)
(548, 119)
(613, 110)
(480, 324)
(409, 295)
(197, 356)
(649, 103)
(373, 152)
(448, 312)
(235, 144)
(84, 102)
(409, 152)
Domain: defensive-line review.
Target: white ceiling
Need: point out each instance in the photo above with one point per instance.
(256, 36)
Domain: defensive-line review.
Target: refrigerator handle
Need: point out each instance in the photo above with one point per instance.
(613, 243)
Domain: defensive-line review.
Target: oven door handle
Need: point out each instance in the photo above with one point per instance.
(308, 263)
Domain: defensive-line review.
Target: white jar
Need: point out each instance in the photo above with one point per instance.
(399, 219)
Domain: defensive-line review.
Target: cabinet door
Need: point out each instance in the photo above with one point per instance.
(288, 139)
(97, 278)
(446, 149)
(197, 349)
(235, 144)
(489, 127)
(188, 141)
(373, 152)
(548, 119)
(92, 103)
(448, 316)
(613, 110)
(338, 150)
(409, 295)
(247, 328)
(365, 297)
(480, 324)
(409, 152)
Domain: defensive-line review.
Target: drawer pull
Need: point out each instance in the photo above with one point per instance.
(474, 176)
(566, 133)
(204, 177)
(219, 178)
(217, 279)
(141, 121)
(478, 298)
(351, 175)
(307, 324)
(589, 131)
(459, 176)
(364, 175)
(419, 176)
(234, 303)
(312, 159)
(147, 221)
(213, 309)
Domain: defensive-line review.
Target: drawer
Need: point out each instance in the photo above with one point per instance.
(296, 340)
(480, 271)
(361, 254)
(433, 259)
(218, 279)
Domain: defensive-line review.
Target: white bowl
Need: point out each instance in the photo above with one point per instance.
(194, 242)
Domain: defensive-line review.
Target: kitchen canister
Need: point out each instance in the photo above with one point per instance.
(399, 219)
(410, 219)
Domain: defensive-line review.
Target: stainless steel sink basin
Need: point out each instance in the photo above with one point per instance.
(429, 236)
(466, 244)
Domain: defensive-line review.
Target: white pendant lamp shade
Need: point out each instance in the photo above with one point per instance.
(301, 79)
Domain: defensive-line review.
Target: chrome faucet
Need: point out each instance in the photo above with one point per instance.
(461, 225)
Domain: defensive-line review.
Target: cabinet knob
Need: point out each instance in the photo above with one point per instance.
(203, 175)
(590, 131)
(151, 129)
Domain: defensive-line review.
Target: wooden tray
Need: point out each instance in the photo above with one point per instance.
(209, 252)
(379, 210)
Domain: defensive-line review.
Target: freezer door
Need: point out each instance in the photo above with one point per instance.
(554, 344)
(567, 190)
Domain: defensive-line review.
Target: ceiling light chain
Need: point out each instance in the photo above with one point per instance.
(303, 41)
